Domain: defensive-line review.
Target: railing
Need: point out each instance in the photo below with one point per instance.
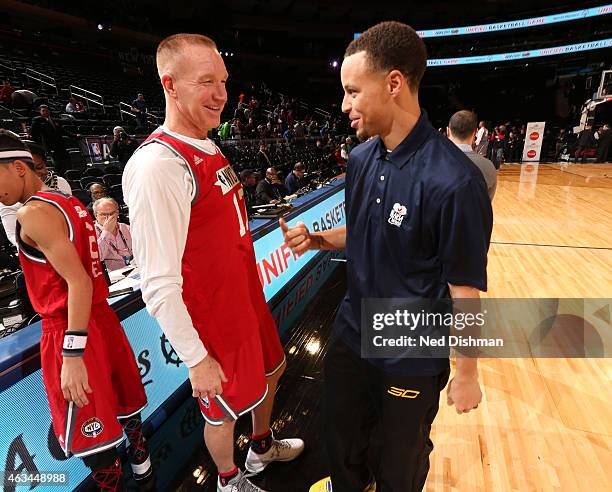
(126, 109)
(322, 112)
(9, 66)
(88, 96)
(42, 78)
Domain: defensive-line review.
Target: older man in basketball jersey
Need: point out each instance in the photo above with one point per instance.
(191, 240)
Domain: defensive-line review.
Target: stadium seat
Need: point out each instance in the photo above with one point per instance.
(112, 169)
(94, 171)
(88, 180)
(116, 192)
(111, 179)
(73, 174)
(82, 195)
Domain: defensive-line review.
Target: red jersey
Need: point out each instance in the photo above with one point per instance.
(47, 289)
(221, 287)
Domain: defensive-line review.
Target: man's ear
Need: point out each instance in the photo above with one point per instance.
(21, 167)
(168, 84)
(396, 82)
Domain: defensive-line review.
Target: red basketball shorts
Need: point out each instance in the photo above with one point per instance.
(246, 368)
(113, 377)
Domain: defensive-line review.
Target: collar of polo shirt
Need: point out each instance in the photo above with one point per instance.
(407, 147)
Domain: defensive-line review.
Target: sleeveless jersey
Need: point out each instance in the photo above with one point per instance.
(48, 291)
(221, 287)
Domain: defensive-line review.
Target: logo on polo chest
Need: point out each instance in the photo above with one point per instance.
(398, 212)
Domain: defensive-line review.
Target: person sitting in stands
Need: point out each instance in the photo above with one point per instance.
(75, 106)
(114, 238)
(295, 179)
(96, 191)
(271, 189)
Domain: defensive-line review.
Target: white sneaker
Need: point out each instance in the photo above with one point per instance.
(240, 483)
(283, 450)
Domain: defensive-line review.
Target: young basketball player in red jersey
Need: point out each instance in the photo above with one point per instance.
(89, 372)
(191, 240)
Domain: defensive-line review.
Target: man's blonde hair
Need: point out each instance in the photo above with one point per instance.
(170, 48)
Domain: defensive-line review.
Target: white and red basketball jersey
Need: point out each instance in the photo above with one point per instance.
(47, 289)
(221, 288)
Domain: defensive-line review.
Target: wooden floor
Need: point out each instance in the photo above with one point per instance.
(544, 424)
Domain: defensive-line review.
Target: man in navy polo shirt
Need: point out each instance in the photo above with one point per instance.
(418, 226)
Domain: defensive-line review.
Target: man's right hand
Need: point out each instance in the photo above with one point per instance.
(110, 224)
(206, 378)
(298, 238)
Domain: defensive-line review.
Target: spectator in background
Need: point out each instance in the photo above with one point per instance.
(8, 213)
(96, 191)
(75, 106)
(117, 130)
(263, 158)
(249, 185)
(295, 179)
(6, 91)
(49, 133)
(586, 141)
(461, 130)
(520, 142)
(236, 129)
(139, 108)
(123, 147)
(23, 99)
(498, 138)
(349, 145)
(344, 153)
(270, 189)
(50, 178)
(114, 238)
(481, 143)
(511, 148)
(299, 130)
(603, 144)
(224, 130)
(560, 143)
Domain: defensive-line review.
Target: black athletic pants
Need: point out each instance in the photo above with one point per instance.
(371, 413)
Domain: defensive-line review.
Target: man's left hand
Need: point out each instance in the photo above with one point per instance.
(464, 393)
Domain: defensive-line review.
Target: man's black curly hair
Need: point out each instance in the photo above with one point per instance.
(390, 46)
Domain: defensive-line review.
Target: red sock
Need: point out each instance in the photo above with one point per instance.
(261, 443)
(227, 476)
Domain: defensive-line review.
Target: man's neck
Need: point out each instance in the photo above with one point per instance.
(403, 123)
(176, 125)
(31, 187)
(458, 142)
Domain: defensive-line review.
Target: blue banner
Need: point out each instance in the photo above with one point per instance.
(275, 262)
(517, 24)
(522, 55)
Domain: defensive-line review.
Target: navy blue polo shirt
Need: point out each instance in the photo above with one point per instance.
(417, 219)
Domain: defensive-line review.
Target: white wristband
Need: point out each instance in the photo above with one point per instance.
(74, 343)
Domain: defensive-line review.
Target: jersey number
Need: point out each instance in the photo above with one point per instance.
(244, 222)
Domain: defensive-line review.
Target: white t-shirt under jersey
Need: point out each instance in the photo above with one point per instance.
(158, 189)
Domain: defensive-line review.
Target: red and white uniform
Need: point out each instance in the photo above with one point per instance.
(111, 367)
(199, 278)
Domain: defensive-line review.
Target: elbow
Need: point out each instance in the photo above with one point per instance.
(82, 285)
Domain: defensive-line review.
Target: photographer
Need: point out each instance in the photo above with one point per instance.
(123, 146)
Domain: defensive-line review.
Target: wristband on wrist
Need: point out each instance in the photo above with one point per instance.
(74, 343)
